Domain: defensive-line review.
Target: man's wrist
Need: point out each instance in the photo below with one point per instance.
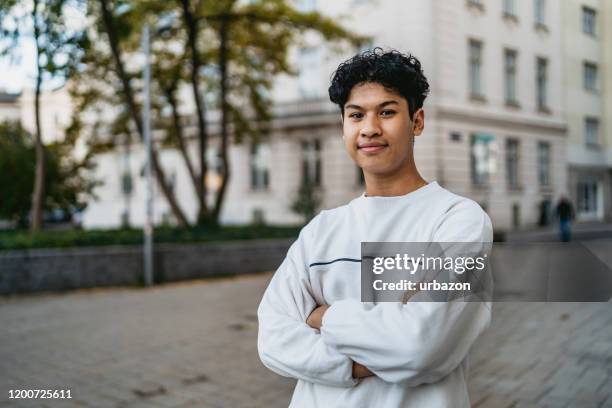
(361, 371)
(315, 319)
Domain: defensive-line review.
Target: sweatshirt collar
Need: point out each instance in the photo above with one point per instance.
(410, 197)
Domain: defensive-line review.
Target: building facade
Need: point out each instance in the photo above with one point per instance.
(496, 119)
(587, 57)
(9, 107)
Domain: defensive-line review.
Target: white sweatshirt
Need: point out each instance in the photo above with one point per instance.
(417, 350)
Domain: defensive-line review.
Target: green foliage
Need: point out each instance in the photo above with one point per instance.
(59, 45)
(307, 202)
(80, 238)
(258, 39)
(16, 172)
(67, 189)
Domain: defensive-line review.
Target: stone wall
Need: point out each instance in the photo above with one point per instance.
(42, 270)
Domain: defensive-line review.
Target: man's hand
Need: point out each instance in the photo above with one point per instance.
(315, 320)
(361, 371)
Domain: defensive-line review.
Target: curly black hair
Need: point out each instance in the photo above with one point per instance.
(399, 73)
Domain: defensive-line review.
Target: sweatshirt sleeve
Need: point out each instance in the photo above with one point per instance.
(414, 342)
(286, 344)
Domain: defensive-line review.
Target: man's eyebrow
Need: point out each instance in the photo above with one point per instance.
(382, 105)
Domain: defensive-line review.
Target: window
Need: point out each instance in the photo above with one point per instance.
(508, 8)
(516, 215)
(309, 76)
(126, 181)
(589, 20)
(311, 162)
(510, 76)
(475, 67)
(482, 159)
(512, 162)
(476, 4)
(542, 83)
(259, 160)
(213, 160)
(591, 131)
(586, 197)
(544, 163)
(539, 12)
(215, 168)
(127, 184)
(590, 76)
(258, 217)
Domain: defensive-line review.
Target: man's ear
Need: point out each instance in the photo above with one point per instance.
(418, 122)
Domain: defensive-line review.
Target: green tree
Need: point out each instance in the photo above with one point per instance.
(57, 47)
(225, 50)
(67, 189)
(307, 202)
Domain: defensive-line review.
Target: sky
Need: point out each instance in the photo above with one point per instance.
(19, 73)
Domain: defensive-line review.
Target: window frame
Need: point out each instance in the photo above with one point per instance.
(539, 13)
(259, 175)
(510, 73)
(315, 160)
(475, 68)
(513, 182)
(544, 169)
(592, 126)
(590, 84)
(586, 12)
(541, 87)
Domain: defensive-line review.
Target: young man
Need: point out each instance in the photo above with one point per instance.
(312, 324)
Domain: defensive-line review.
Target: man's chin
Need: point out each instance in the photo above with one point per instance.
(377, 171)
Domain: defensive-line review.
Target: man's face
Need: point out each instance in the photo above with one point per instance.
(378, 132)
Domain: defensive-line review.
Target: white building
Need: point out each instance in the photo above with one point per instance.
(495, 119)
(9, 106)
(588, 57)
(55, 112)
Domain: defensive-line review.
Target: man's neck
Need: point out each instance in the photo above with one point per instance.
(396, 185)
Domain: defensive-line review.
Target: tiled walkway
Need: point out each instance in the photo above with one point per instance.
(194, 345)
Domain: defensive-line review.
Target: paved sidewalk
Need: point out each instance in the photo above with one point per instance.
(581, 231)
(194, 345)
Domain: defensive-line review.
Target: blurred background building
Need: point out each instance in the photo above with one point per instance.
(588, 101)
(519, 114)
(9, 106)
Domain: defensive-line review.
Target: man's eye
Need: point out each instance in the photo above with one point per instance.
(387, 112)
(355, 115)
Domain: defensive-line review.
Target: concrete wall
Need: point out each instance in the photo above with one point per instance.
(63, 269)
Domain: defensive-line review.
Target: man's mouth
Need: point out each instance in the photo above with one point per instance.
(372, 148)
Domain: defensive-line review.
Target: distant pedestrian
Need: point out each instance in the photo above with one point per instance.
(565, 212)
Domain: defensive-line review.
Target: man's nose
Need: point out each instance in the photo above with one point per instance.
(371, 126)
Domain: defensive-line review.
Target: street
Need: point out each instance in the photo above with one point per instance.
(194, 345)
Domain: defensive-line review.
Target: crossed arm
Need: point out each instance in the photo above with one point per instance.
(338, 344)
(315, 319)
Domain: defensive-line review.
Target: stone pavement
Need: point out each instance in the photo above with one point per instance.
(194, 345)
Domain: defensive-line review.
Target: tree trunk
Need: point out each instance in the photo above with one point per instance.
(129, 96)
(180, 137)
(223, 30)
(192, 33)
(38, 192)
